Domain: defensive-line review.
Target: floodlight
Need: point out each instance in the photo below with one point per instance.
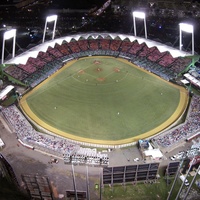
(189, 29)
(186, 27)
(7, 35)
(52, 18)
(140, 15)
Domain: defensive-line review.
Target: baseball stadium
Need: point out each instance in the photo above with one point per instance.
(100, 89)
(94, 107)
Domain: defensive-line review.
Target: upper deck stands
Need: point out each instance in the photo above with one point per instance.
(33, 52)
(134, 50)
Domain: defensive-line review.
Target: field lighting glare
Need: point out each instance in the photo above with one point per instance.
(140, 15)
(189, 29)
(52, 18)
(8, 35)
(186, 27)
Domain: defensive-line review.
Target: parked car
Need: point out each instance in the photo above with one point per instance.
(183, 179)
(173, 158)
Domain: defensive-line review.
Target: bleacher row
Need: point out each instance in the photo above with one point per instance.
(190, 127)
(87, 155)
(51, 144)
(37, 69)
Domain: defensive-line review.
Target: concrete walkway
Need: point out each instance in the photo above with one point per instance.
(26, 161)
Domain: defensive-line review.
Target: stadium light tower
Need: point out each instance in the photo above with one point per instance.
(52, 18)
(7, 35)
(189, 29)
(140, 15)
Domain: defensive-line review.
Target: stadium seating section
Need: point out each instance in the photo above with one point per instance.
(150, 58)
(29, 137)
(46, 63)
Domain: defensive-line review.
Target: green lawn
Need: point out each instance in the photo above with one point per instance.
(105, 100)
(141, 191)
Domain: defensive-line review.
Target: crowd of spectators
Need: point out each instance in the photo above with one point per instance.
(33, 139)
(46, 63)
(190, 127)
(39, 68)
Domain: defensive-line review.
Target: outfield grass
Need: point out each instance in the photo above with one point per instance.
(102, 98)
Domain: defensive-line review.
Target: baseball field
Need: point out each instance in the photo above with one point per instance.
(104, 100)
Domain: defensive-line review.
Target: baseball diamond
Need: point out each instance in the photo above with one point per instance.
(104, 100)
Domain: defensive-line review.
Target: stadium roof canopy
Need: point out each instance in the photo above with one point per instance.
(33, 52)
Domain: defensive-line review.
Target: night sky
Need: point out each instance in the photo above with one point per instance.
(78, 4)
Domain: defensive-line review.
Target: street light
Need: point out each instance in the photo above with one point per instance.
(7, 35)
(189, 29)
(140, 15)
(52, 18)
